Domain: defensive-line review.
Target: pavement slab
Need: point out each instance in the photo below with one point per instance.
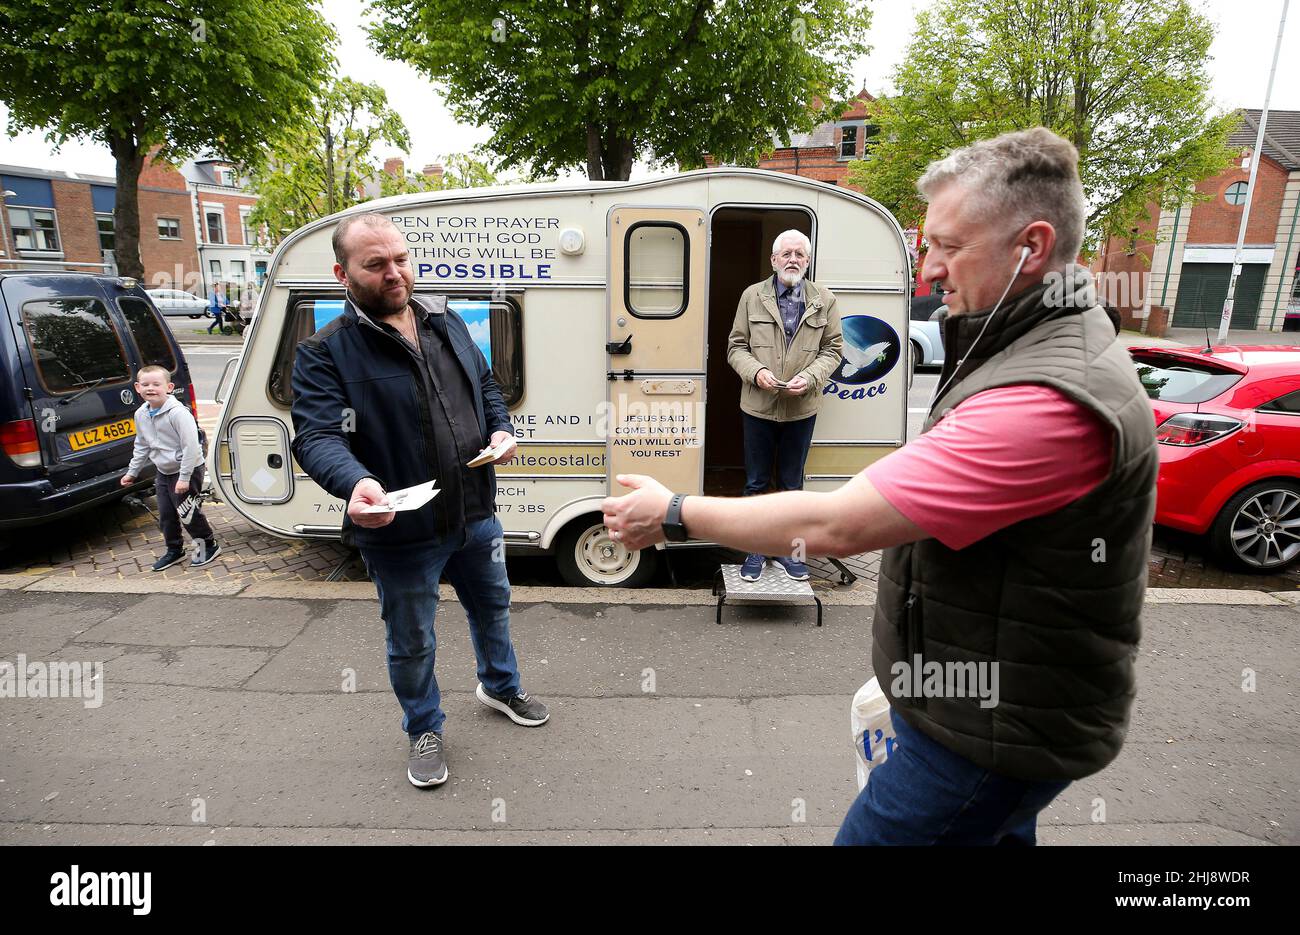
(231, 720)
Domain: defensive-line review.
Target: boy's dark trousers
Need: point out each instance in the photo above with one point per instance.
(164, 486)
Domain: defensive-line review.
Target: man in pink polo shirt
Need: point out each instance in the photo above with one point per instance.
(1015, 530)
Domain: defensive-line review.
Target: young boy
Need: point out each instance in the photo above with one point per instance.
(167, 435)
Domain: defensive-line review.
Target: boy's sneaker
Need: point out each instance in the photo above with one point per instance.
(522, 708)
(793, 569)
(168, 559)
(425, 765)
(752, 570)
(205, 550)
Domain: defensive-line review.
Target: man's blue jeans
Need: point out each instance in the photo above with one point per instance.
(926, 794)
(406, 578)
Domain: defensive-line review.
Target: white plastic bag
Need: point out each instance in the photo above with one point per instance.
(873, 733)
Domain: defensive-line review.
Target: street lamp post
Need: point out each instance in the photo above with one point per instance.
(1226, 319)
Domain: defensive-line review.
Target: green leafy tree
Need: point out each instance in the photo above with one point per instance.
(1124, 80)
(568, 83)
(181, 75)
(321, 164)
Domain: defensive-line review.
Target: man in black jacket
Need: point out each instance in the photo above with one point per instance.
(391, 394)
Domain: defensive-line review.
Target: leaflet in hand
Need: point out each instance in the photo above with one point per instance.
(488, 455)
(411, 498)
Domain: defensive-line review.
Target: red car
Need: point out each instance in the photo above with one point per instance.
(1228, 424)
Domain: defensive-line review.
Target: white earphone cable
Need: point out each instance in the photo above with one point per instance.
(938, 390)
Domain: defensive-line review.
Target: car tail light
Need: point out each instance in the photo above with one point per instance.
(194, 404)
(1192, 428)
(19, 442)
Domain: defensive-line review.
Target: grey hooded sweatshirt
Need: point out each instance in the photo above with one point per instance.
(169, 437)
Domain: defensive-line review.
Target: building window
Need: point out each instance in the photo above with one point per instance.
(237, 271)
(1236, 193)
(34, 230)
(870, 137)
(214, 266)
(169, 228)
(243, 225)
(848, 142)
(104, 222)
(216, 224)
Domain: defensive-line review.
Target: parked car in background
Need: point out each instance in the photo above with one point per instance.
(70, 347)
(1228, 427)
(175, 302)
(926, 336)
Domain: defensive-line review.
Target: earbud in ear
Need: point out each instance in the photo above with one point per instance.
(1024, 253)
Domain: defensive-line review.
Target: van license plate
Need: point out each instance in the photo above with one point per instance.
(101, 434)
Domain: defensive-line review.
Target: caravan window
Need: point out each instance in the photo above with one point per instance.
(495, 325)
(655, 281)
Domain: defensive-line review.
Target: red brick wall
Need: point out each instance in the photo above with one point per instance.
(78, 235)
(230, 205)
(1114, 260)
(818, 163)
(168, 263)
(1216, 222)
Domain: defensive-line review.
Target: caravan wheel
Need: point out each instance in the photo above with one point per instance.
(587, 557)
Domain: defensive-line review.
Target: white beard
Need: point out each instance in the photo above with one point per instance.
(789, 280)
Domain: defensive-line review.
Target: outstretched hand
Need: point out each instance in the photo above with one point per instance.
(636, 519)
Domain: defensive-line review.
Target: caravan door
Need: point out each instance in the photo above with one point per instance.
(654, 418)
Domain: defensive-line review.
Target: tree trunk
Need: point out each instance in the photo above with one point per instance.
(616, 157)
(595, 161)
(126, 209)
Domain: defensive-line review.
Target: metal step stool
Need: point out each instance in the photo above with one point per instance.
(772, 587)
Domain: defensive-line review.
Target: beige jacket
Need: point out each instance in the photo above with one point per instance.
(758, 340)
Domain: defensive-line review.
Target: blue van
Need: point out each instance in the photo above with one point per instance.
(70, 347)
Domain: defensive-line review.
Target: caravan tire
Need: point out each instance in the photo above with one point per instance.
(588, 558)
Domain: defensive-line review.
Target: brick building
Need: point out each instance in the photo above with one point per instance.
(1187, 269)
(64, 220)
(825, 152)
(231, 250)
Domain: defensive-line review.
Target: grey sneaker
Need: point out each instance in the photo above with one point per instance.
(523, 708)
(426, 765)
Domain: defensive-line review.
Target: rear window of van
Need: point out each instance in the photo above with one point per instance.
(74, 344)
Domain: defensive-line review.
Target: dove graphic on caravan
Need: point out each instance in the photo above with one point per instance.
(871, 349)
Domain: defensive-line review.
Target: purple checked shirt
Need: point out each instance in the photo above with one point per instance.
(789, 299)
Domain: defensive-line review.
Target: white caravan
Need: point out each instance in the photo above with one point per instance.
(604, 308)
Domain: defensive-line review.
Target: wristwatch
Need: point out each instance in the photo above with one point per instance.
(674, 531)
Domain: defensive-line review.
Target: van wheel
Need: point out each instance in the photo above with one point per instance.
(916, 355)
(587, 557)
(1259, 529)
